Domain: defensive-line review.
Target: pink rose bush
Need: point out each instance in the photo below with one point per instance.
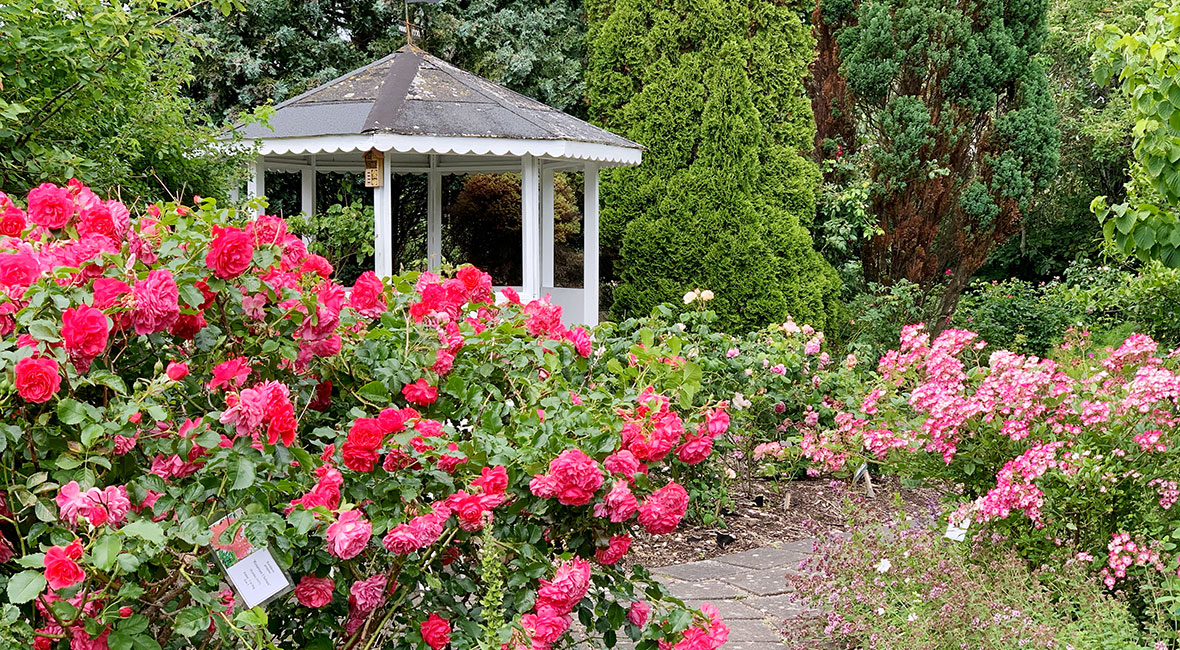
(423, 461)
(1065, 456)
(772, 389)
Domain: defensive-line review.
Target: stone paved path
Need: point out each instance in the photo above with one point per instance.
(748, 588)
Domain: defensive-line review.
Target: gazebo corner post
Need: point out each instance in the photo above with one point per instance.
(530, 199)
(256, 184)
(547, 209)
(307, 197)
(590, 246)
(434, 216)
(383, 225)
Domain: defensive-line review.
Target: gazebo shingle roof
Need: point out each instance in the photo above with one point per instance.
(413, 93)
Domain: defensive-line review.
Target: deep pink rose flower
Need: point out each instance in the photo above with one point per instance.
(51, 206)
(84, 333)
(348, 535)
(638, 613)
(573, 479)
(177, 370)
(157, 302)
(314, 592)
(664, 509)
(368, 295)
(37, 379)
(230, 252)
(367, 595)
(436, 631)
(615, 550)
(420, 393)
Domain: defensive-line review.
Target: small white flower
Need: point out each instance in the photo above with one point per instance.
(680, 326)
(880, 611)
(729, 473)
(689, 297)
(706, 295)
(884, 565)
(912, 617)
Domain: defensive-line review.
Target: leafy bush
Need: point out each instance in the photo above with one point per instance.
(485, 221)
(901, 585)
(1111, 302)
(91, 88)
(163, 372)
(776, 382)
(1073, 455)
(879, 313)
(343, 235)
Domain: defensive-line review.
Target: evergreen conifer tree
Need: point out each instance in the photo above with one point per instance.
(713, 89)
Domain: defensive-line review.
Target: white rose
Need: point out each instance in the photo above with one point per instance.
(706, 295)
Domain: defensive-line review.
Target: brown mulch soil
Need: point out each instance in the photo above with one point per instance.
(766, 512)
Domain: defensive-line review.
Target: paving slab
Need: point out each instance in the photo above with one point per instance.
(730, 608)
(697, 571)
(765, 558)
(769, 582)
(752, 630)
(780, 607)
(705, 590)
(749, 589)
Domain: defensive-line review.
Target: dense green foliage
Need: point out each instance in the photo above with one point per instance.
(483, 224)
(946, 109)
(1095, 123)
(723, 198)
(1111, 302)
(91, 89)
(276, 49)
(1147, 63)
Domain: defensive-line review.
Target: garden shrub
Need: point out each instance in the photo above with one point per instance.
(1109, 301)
(724, 196)
(427, 466)
(1072, 458)
(341, 234)
(777, 382)
(484, 226)
(898, 584)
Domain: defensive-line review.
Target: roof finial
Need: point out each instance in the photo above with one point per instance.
(409, 31)
(410, 27)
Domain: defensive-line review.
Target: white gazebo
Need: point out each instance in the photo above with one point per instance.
(426, 116)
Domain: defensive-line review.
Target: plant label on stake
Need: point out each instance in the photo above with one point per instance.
(251, 570)
(954, 532)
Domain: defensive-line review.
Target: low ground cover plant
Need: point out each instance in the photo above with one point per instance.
(901, 584)
(429, 467)
(1070, 460)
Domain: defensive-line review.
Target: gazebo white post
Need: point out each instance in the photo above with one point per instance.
(256, 185)
(307, 189)
(547, 227)
(590, 247)
(434, 216)
(530, 226)
(383, 224)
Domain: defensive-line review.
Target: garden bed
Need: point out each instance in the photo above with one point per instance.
(762, 516)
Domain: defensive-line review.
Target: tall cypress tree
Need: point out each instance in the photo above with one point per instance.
(713, 89)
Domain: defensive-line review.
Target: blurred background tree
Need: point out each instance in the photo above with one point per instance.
(91, 89)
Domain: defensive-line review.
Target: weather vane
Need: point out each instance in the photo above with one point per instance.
(409, 27)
